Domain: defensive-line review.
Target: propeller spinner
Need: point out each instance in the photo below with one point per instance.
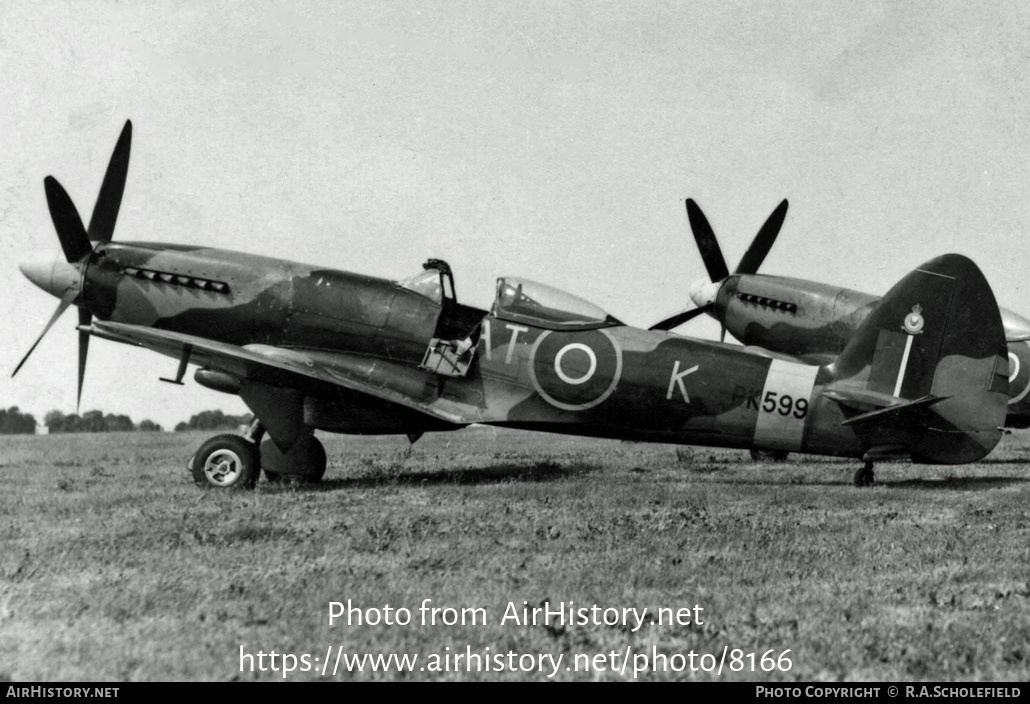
(60, 273)
(703, 293)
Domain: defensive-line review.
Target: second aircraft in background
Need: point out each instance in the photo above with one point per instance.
(807, 319)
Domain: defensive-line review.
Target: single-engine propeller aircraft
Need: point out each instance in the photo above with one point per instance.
(806, 319)
(923, 376)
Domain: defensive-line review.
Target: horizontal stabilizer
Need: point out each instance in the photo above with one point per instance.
(896, 411)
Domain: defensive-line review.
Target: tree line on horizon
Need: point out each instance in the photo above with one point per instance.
(14, 422)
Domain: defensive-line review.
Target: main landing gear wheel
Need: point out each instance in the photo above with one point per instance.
(226, 462)
(305, 461)
(769, 455)
(864, 476)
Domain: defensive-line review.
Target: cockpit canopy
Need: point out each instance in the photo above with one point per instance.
(543, 306)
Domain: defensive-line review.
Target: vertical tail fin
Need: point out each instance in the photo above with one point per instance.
(928, 369)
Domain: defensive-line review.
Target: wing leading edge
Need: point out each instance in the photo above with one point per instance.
(388, 382)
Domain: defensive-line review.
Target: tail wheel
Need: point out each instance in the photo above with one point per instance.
(864, 476)
(226, 462)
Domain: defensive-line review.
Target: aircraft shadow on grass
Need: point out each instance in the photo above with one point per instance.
(957, 483)
(942, 484)
(1008, 460)
(491, 474)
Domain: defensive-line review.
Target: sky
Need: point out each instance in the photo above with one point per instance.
(545, 139)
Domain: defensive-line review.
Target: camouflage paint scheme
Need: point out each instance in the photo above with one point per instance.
(921, 374)
(815, 321)
(313, 348)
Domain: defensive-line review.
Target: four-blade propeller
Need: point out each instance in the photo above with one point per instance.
(715, 263)
(63, 279)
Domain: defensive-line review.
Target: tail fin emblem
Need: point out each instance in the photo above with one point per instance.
(914, 320)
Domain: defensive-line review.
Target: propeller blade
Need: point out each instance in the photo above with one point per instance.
(85, 318)
(66, 301)
(67, 222)
(763, 241)
(105, 212)
(680, 318)
(711, 254)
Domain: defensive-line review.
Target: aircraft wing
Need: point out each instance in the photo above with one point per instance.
(389, 382)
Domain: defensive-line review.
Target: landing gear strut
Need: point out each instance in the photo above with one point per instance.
(864, 476)
(255, 432)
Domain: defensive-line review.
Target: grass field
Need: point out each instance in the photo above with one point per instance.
(113, 566)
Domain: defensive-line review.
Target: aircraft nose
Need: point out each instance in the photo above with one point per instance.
(1016, 326)
(703, 292)
(49, 270)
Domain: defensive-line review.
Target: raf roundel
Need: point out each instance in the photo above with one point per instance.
(575, 372)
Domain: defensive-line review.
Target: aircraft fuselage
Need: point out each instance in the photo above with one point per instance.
(615, 381)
